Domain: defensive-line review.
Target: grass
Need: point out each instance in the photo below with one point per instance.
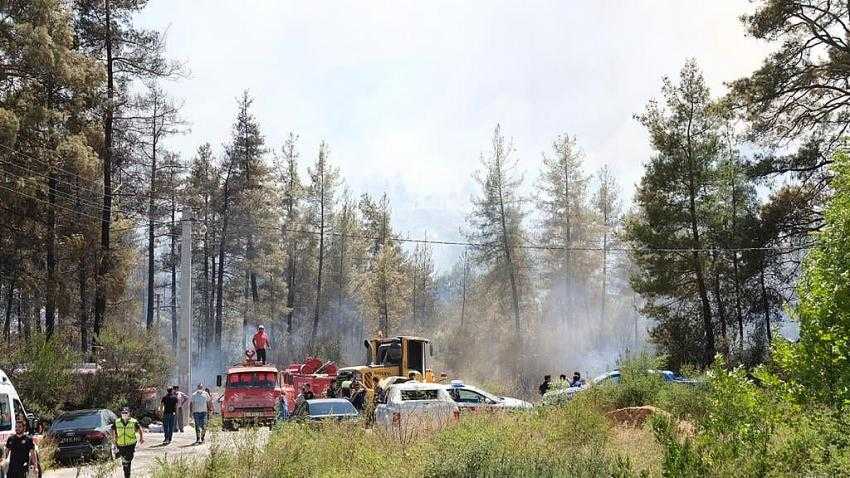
(552, 441)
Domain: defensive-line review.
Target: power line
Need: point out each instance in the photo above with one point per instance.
(95, 218)
(92, 205)
(42, 161)
(544, 247)
(62, 194)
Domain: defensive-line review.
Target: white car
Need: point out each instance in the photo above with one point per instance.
(469, 398)
(413, 405)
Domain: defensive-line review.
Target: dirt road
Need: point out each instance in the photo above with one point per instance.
(146, 457)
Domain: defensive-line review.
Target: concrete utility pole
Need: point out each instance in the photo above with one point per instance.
(184, 348)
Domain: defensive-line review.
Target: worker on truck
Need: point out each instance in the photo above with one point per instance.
(261, 344)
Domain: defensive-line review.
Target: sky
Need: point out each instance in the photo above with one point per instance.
(407, 94)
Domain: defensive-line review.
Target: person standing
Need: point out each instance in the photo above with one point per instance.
(261, 344)
(544, 387)
(126, 432)
(200, 407)
(20, 451)
(169, 409)
(210, 404)
(358, 396)
(282, 408)
(182, 398)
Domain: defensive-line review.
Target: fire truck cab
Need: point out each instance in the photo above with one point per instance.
(251, 391)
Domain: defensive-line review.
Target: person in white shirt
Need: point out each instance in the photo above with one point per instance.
(200, 404)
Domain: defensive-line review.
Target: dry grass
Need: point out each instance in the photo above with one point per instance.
(638, 443)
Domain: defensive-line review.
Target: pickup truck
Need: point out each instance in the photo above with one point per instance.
(415, 405)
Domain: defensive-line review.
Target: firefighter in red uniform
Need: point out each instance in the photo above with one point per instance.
(261, 344)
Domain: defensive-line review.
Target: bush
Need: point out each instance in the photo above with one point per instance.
(40, 365)
(129, 361)
(751, 431)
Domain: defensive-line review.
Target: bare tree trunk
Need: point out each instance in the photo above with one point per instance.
(463, 294)
(104, 261)
(508, 256)
(764, 302)
(221, 247)
(7, 323)
(151, 230)
(50, 302)
(82, 278)
(605, 271)
(708, 327)
(317, 312)
(290, 291)
(721, 310)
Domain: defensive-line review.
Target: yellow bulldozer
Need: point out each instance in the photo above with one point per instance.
(400, 356)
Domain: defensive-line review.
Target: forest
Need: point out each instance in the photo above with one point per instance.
(727, 262)
(554, 269)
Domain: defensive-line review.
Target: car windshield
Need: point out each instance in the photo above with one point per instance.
(413, 394)
(251, 380)
(5, 413)
(331, 408)
(75, 421)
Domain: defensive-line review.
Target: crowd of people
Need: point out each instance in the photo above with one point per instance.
(576, 381)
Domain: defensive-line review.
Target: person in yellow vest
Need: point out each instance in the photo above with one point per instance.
(127, 432)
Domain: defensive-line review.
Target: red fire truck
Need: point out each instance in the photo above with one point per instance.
(251, 390)
(250, 394)
(313, 372)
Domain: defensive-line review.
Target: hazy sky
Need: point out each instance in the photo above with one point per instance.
(407, 93)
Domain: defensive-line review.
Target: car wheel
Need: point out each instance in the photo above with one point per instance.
(113, 451)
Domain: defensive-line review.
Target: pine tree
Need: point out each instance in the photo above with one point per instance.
(566, 224)
(321, 195)
(606, 203)
(674, 200)
(496, 225)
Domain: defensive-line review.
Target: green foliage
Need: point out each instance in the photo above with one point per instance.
(680, 458)
(41, 372)
(820, 361)
(750, 430)
(130, 360)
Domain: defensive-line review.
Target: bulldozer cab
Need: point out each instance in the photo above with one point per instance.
(399, 355)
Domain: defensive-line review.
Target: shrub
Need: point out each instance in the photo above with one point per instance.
(37, 365)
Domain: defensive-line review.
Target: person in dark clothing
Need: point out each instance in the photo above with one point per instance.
(544, 387)
(169, 411)
(20, 450)
(576, 380)
(308, 392)
(358, 396)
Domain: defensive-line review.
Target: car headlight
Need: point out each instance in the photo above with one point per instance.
(231, 408)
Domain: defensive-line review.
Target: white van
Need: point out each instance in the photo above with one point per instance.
(11, 408)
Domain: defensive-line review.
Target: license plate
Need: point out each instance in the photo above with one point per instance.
(69, 440)
(254, 414)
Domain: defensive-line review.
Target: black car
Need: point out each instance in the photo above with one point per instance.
(83, 435)
(322, 409)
